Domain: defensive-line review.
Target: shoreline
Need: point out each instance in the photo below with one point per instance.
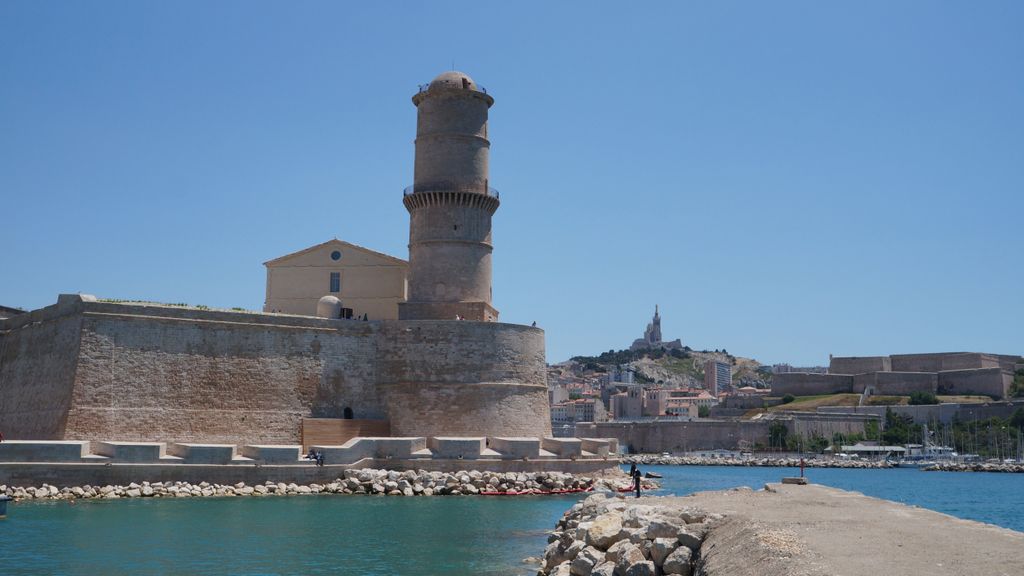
(780, 462)
(975, 467)
(366, 481)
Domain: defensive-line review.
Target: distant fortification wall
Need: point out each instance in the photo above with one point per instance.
(939, 362)
(809, 425)
(804, 384)
(688, 436)
(858, 364)
(986, 381)
(896, 383)
(656, 437)
(86, 370)
(934, 413)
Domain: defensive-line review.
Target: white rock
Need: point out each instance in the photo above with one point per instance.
(604, 569)
(661, 548)
(692, 535)
(604, 531)
(664, 529)
(584, 562)
(615, 550)
(645, 568)
(679, 562)
(637, 515)
(562, 569)
(631, 555)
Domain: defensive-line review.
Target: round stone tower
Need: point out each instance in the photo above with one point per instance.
(450, 204)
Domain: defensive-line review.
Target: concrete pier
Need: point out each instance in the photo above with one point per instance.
(815, 530)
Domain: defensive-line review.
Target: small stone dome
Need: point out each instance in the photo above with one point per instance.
(453, 79)
(329, 307)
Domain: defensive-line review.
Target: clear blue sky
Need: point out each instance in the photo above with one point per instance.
(787, 180)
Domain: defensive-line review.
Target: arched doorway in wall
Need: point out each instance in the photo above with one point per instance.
(347, 413)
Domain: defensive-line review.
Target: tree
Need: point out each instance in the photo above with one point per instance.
(1017, 420)
(920, 398)
(704, 411)
(788, 398)
(900, 429)
(1017, 388)
(778, 434)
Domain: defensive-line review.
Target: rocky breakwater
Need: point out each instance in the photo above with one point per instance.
(608, 536)
(661, 460)
(975, 467)
(364, 481)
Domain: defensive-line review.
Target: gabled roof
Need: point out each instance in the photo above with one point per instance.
(337, 243)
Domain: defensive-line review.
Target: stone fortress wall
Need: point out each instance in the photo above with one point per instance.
(952, 373)
(83, 369)
(656, 436)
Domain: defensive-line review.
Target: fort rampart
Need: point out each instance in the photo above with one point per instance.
(948, 373)
(704, 434)
(806, 384)
(82, 369)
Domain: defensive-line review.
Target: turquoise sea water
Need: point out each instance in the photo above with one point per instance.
(392, 535)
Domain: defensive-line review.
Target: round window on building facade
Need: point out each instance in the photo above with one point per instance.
(335, 255)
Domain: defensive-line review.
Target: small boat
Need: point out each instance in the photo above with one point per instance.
(652, 475)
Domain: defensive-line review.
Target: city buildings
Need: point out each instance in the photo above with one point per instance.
(717, 377)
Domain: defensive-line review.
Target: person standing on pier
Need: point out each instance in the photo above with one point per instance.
(636, 481)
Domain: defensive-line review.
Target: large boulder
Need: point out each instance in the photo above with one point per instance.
(616, 550)
(637, 515)
(561, 570)
(680, 561)
(692, 515)
(631, 554)
(661, 548)
(557, 553)
(604, 531)
(604, 569)
(664, 528)
(584, 562)
(692, 535)
(645, 568)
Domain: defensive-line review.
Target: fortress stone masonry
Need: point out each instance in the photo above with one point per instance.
(948, 373)
(427, 362)
(83, 370)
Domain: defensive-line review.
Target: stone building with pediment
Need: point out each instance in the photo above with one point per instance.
(366, 281)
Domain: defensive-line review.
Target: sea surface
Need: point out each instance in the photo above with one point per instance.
(396, 535)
